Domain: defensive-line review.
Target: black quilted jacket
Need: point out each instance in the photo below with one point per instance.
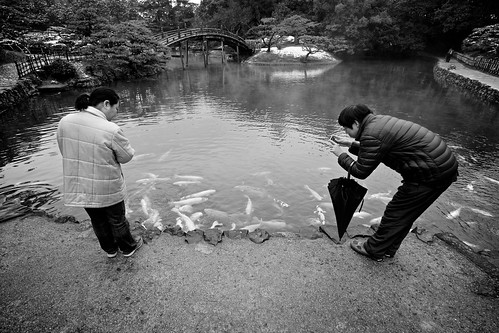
(415, 152)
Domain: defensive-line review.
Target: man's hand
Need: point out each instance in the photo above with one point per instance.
(337, 150)
(341, 140)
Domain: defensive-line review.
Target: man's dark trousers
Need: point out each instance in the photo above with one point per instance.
(410, 201)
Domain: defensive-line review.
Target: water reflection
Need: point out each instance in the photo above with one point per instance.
(288, 74)
(267, 128)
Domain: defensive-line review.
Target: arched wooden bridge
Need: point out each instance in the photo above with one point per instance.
(175, 37)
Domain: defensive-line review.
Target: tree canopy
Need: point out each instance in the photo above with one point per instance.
(379, 27)
(126, 50)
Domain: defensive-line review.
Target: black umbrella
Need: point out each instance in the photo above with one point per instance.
(346, 195)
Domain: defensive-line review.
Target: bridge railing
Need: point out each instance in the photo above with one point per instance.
(34, 62)
(174, 36)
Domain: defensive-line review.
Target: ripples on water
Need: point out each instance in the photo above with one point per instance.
(267, 129)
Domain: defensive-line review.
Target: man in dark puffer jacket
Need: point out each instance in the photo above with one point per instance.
(425, 162)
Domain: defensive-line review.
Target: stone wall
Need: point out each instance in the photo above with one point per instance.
(23, 89)
(28, 87)
(468, 86)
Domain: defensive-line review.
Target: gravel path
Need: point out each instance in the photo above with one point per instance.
(54, 278)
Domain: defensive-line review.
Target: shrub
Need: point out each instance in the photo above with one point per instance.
(7, 56)
(60, 70)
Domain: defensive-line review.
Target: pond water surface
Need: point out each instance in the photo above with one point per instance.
(258, 137)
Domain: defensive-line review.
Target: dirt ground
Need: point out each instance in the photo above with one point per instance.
(55, 278)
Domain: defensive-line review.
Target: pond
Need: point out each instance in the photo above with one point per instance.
(257, 136)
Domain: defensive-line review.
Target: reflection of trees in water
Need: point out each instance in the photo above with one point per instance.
(15, 140)
(233, 87)
(145, 98)
(20, 199)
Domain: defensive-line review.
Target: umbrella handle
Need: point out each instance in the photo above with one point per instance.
(348, 177)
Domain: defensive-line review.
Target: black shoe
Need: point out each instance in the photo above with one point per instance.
(358, 246)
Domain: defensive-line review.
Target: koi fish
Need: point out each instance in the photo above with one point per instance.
(196, 216)
(152, 214)
(217, 214)
(383, 197)
(491, 180)
(483, 212)
(361, 215)
(249, 206)
(378, 195)
(470, 244)
(154, 220)
(145, 203)
(128, 210)
(199, 194)
(261, 173)
(190, 201)
(276, 224)
(151, 177)
(320, 212)
(186, 209)
(178, 222)
(142, 156)
(163, 157)
(189, 225)
(215, 224)
(327, 205)
(281, 203)
(251, 190)
(470, 187)
(189, 177)
(251, 227)
(186, 182)
(455, 213)
(314, 194)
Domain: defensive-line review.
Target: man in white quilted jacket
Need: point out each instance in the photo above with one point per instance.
(93, 149)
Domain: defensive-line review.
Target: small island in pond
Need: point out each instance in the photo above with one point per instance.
(291, 55)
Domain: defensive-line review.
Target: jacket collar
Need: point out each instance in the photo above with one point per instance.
(363, 124)
(95, 112)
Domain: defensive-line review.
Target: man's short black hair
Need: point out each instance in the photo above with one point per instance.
(352, 113)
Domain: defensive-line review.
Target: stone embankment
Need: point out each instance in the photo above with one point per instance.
(14, 90)
(20, 91)
(468, 81)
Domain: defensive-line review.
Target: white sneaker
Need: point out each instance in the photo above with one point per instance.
(112, 255)
(139, 244)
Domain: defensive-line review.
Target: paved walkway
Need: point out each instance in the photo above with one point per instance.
(460, 69)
